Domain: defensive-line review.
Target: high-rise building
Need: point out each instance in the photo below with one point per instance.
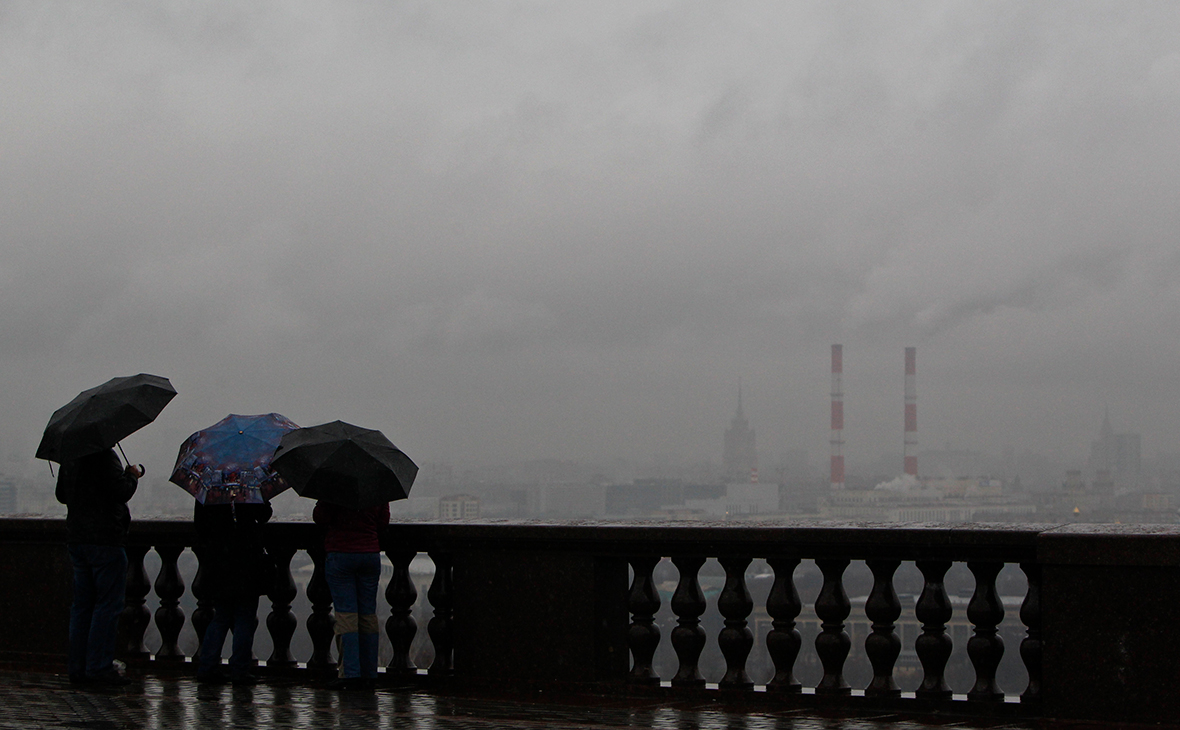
(1115, 456)
(740, 452)
(837, 441)
(8, 497)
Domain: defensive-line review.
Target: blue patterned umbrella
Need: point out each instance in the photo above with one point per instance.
(230, 460)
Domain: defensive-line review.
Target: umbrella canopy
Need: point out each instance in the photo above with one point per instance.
(344, 464)
(230, 460)
(101, 417)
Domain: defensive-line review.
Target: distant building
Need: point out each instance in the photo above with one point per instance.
(740, 452)
(458, 507)
(646, 497)
(572, 501)
(8, 497)
(1118, 455)
(751, 499)
(794, 467)
(955, 499)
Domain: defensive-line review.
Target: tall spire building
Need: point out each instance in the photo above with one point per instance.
(740, 452)
(1115, 457)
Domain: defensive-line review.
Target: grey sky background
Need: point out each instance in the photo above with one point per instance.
(529, 229)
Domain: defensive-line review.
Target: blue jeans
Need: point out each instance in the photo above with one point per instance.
(353, 579)
(100, 581)
(240, 616)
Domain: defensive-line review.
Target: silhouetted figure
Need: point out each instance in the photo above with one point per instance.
(95, 489)
(235, 571)
(353, 568)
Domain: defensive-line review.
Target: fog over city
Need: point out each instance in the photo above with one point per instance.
(524, 230)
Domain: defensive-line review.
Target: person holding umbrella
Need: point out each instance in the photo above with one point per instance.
(95, 489)
(235, 575)
(353, 570)
(226, 467)
(354, 473)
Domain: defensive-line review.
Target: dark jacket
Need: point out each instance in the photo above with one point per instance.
(95, 489)
(350, 530)
(234, 563)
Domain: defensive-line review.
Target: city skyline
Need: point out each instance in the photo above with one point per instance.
(861, 459)
(1116, 481)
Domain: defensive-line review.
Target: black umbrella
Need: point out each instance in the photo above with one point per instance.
(101, 417)
(344, 464)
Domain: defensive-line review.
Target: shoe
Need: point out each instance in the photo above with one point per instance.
(212, 677)
(109, 678)
(243, 679)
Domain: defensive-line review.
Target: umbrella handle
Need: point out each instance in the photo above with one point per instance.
(124, 453)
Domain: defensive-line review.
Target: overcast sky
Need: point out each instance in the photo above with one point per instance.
(542, 229)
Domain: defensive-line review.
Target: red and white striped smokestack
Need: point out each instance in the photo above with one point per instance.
(910, 447)
(837, 417)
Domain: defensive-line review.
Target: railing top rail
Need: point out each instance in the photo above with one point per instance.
(1111, 545)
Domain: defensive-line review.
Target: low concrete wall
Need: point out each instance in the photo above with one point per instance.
(36, 581)
(1110, 603)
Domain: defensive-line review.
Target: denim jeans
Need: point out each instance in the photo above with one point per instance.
(100, 580)
(239, 615)
(353, 579)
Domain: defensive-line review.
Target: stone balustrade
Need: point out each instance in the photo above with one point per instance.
(530, 606)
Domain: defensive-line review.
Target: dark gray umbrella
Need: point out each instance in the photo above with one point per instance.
(101, 417)
(344, 464)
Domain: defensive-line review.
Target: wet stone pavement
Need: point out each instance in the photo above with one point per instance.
(31, 700)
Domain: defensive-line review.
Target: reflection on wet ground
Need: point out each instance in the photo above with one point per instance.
(31, 700)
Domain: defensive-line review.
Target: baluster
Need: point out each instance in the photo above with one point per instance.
(883, 645)
(985, 648)
(321, 624)
(1030, 647)
(783, 642)
(934, 645)
(440, 628)
(832, 645)
(688, 638)
(643, 636)
(736, 639)
(169, 616)
(203, 613)
(401, 626)
(281, 622)
(134, 620)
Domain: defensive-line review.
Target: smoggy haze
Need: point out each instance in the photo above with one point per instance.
(528, 229)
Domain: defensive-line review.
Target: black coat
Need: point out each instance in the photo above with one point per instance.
(234, 563)
(95, 490)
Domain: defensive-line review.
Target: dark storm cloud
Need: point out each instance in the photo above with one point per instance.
(538, 229)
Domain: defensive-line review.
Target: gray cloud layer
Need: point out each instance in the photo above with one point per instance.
(568, 229)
